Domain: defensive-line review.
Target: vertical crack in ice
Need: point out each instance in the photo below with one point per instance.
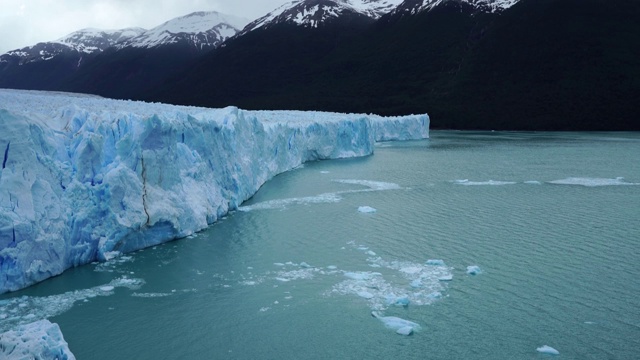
(6, 155)
(144, 190)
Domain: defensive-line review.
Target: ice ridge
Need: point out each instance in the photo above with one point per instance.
(86, 178)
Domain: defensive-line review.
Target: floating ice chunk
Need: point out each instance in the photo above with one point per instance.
(417, 283)
(406, 331)
(371, 253)
(592, 182)
(151, 295)
(396, 323)
(324, 172)
(474, 270)
(545, 349)
(106, 288)
(466, 182)
(278, 264)
(445, 278)
(38, 340)
(435, 262)
(332, 267)
(304, 265)
(365, 294)
(372, 185)
(533, 182)
(108, 255)
(366, 209)
(402, 301)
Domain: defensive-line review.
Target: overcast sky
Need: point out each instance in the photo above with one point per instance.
(27, 22)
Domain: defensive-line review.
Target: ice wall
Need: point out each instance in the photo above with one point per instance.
(85, 178)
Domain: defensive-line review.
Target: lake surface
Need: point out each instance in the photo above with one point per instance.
(551, 220)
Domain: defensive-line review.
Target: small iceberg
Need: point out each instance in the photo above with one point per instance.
(367, 209)
(401, 326)
(402, 301)
(445, 278)
(406, 331)
(474, 270)
(545, 349)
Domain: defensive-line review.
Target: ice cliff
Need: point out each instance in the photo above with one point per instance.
(85, 178)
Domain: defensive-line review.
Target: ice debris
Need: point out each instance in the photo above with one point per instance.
(545, 349)
(474, 270)
(593, 182)
(401, 326)
(366, 209)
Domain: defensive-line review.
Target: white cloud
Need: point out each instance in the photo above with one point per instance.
(27, 22)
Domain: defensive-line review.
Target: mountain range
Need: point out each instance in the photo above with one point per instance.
(471, 64)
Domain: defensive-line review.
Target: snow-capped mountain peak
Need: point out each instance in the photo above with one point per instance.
(85, 41)
(412, 7)
(90, 40)
(312, 13)
(200, 29)
(203, 30)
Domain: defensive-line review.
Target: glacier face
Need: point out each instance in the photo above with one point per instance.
(85, 178)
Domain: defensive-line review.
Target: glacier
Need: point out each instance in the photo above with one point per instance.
(86, 179)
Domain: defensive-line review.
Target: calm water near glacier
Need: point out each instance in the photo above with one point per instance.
(551, 219)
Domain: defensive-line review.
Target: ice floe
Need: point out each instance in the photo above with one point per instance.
(331, 197)
(26, 309)
(545, 349)
(474, 270)
(593, 182)
(401, 326)
(466, 182)
(367, 209)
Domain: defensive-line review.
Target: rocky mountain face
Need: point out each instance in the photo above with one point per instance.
(517, 65)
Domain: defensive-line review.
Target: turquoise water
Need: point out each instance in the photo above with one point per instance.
(551, 219)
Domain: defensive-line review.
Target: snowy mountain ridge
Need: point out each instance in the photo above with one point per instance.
(312, 13)
(202, 30)
(412, 7)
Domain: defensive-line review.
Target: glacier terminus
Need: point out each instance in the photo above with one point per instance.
(85, 178)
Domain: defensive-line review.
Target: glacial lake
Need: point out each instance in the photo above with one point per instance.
(549, 221)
